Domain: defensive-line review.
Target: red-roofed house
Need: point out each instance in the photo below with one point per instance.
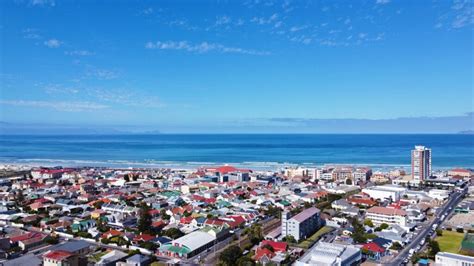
(263, 255)
(374, 251)
(277, 246)
(60, 258)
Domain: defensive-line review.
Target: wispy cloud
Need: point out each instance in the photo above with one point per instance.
(101, 74)
(148, 11)
(50, 3)
(127, 97)
(67, 106)
(31, 33)
(53, 43)
(79, 53)
(382, 2)
(265, 20)
(203, 47)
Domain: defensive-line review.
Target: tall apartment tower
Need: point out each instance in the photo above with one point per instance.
(420, 163)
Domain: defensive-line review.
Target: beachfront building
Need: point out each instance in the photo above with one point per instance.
(331, 254)
(380, 215)
(446, 258)
(420, 163)
(189, 245)
(385, 192)
(301, 225)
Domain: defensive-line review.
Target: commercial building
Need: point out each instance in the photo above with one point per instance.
(420, 163)
(301, 225)
(331, 254)
(380, 215)
(446, 258)
(386, 192)
(189, 245)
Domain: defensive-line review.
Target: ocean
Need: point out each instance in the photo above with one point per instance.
(250, 150)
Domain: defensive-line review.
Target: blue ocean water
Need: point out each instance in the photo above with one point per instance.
(257, 150)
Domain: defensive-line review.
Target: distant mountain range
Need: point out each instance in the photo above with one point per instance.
(466, 132)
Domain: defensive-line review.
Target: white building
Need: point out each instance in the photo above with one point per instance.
(451, 259)
(439, 194)
(301, 225)
(380, 215)
(330, 254)
(385, 192)
(420, 163)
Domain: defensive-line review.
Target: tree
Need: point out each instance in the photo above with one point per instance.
(396, 246)
(163, 214)
(51, 240)
(149, 245)
(245, 261)
(289, 239)
(173, 233)
(433, 247)
(384, 226)
(144, 222)
(349, 182)
(126, 177)
(369, 223)
(256, 233)
(439, 232)
(230, 255)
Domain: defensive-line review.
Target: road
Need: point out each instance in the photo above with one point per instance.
(211, 255)
(454, 199)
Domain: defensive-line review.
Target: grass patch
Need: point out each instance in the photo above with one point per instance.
(315, 237)
(450, 241)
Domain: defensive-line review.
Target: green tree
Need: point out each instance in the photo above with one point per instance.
(144, 221)
(245, 261)
(396, 246)
(384, 226)
(255, 233)
(289, 239)
(173, 233)
(433, 246)
(230, 255)
(439, 232)
(369, 223)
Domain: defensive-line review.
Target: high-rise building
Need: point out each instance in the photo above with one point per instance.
(420, 163)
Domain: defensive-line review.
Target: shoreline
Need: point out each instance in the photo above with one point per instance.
(151, 164)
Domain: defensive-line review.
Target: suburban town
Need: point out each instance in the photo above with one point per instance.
(224, 215)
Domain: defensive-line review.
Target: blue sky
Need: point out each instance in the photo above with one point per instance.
(238, 66)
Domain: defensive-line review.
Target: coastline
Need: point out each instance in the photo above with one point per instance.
(151, 164)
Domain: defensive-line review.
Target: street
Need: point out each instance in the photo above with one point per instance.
(400, 259)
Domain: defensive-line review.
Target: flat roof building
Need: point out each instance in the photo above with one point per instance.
(330, 254)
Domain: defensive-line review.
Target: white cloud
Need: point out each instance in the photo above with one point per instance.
(148, 11)
(202, 47)
(52, 43)
(79, 53)
(263, 20)
(297, 28)
(31, 34)
(51, 3)
(382, 2)
(128, 97)
(67, 106)
(222, 20)
(102, 74)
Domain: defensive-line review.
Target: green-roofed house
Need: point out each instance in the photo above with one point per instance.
(188, 246)
(170, 193)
